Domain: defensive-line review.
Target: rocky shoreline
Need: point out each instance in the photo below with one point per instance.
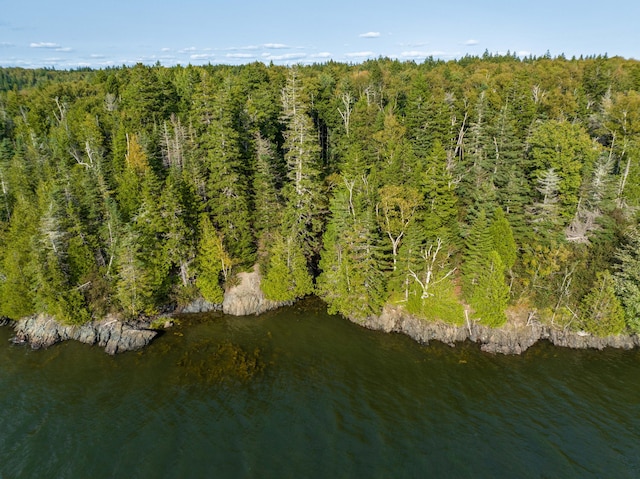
(515, 337)
(246, 298)
(115, 336)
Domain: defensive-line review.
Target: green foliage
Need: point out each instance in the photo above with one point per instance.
(377, 180)
(287, 277)
(602, 313)
(352, 281)
(569, 151)
(213, 263)
(627, 281)
(491, 294)
(502, 238)
(478, 246)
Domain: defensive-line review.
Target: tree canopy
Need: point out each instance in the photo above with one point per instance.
(473, 184)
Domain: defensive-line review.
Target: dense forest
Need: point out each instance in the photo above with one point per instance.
(482, 186)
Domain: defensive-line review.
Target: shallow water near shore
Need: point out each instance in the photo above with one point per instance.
(299, 393)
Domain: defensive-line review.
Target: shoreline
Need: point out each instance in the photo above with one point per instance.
(115, 336)
(511, 339)
(246, 299)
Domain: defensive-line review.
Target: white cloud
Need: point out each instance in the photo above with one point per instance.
(286, 56)
(418, 54)
(247, 47)
(414, 54)
(166, 49)
(240, 55)
(6, 45)
(523, 53)
(471, 42)
(358, 54)
(44, 45)
(369, 35)
(188, 49)
(275, 46)
(64, 49)
(96, 55)
(202, 56)
(321, 55)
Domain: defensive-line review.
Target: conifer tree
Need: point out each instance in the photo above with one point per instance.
(134, 287)
(491, 294)
(602, 313)
(352, 281)
(287, 275)
(478, 247)
(440, 203)
(502, 238)
(18, 277)
(304, 199)
(213, 263)
(627, 281)
(228, 176)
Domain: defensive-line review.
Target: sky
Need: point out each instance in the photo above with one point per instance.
(73, 33)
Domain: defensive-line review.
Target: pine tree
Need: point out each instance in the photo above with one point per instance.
(287, 276)
(213, 263)
(134, 287)
(352, 281)
(478, 247)
(602, 313)
(502, 238)
(18, 277)
(627, 281)
(491, 294)
(228, 177)
(440, 211)
(304, 199)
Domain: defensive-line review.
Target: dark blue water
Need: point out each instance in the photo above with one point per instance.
(299, 393)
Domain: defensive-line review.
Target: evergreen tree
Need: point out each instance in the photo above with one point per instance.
(502, 239)
(627, 281)
(352, 281)
(478, 247)
(228, 176)
(304, 199)
(440, 212)
(213, 263)
(134, 287)
(18, 277)
(491, 295)
(602, 313)
(287, 277)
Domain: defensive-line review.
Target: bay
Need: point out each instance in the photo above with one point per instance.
(300, 393)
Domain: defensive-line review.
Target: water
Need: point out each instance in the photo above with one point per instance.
(299, 393)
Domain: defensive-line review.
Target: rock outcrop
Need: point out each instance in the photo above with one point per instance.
(246, 297)
(41, 331)
(512, 338)
(199, 306)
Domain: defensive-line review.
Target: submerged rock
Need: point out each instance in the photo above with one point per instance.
(515, 337)
(42, 331)
(247, 298)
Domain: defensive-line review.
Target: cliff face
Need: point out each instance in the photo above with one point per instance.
(512, 338)
(246, 297)
(114, 336)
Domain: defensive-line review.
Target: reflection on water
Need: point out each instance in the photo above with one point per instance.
(299, 393)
